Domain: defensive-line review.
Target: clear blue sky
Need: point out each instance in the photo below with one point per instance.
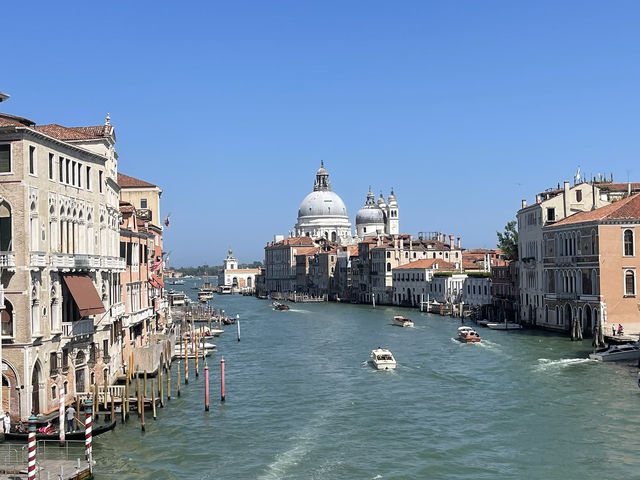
(464, 107)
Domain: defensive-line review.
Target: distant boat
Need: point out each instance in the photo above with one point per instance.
(280, 306)
(401, 321)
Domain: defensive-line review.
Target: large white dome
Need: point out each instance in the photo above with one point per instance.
(322, 213)
(323, 203)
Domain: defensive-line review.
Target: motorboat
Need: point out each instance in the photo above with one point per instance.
(504, 326)
(382, 359)
(483, 323)
(280, 306)
(468, 335)
(628, 351)
(401, 321)
(205, 295)
(176, 299)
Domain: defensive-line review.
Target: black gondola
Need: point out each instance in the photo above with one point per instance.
(77, 435)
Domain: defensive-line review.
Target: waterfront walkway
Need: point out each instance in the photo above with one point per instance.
(54, 462)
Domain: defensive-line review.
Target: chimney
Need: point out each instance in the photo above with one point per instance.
(451, 237)
(458, 242)
(566, 199)
(593, 196)
(524, 203)
(538, 198)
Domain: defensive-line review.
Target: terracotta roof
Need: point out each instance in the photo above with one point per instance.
(306, 250)
(74, 133)
(293, 241)
(627, 208)
(428, 263)
(130, 182)
(619, 187)
(8, 120)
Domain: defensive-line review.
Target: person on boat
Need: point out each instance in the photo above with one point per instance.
(71, 415)
(7, 422)
(47, 429)
(620, 330)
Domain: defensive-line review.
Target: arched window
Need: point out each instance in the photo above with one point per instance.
(628, 243)
(5, 227)
(7, 319)
(629, 282)
(389, 267)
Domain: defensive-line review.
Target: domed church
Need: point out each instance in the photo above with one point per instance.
(322, 213)
(377, 218)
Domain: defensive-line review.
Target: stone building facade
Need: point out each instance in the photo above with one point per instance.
(59, 259)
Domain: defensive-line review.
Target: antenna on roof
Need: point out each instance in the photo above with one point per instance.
(107, 120)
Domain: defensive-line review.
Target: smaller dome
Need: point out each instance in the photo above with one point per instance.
(381, 202)
(370, 212)
(368, 215)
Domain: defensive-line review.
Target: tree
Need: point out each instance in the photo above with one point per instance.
(508, 241)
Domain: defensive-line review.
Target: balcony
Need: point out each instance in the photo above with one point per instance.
(84, 261)
(78, 328)
(117, 310)
(144, 214)
(163, 305)
(7, 259)
(87, 261)
(113, 263)
(38, 259)
(137, 317)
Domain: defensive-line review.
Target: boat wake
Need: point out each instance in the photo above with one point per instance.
(545, 364)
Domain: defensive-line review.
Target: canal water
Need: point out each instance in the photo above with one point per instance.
(302, 402)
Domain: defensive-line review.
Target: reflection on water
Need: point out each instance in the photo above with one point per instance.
(302, 402)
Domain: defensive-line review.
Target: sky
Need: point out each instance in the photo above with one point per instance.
(464, 108)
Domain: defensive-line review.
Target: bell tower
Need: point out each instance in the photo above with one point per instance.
(393, 222)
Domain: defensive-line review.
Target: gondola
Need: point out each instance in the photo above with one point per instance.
(77, 435)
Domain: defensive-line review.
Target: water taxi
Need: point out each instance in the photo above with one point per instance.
(280, 306)
(628, 351)
(382, 359)
(401, 321)
(468, 335)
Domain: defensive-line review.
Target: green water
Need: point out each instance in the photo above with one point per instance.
(302, 402)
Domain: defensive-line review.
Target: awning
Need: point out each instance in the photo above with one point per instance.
(85, 294)
(158, 280)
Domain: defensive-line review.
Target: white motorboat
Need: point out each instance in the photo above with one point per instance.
(504, 326)
(402, 321)
(382, 359)
(468, 335)
(628, 351)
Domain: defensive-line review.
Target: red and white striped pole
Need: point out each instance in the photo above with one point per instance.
(206, 386)
(61, 421)
(87, 429)
(186, 362)
(196, 353)
(31, 466)
(222, 379)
